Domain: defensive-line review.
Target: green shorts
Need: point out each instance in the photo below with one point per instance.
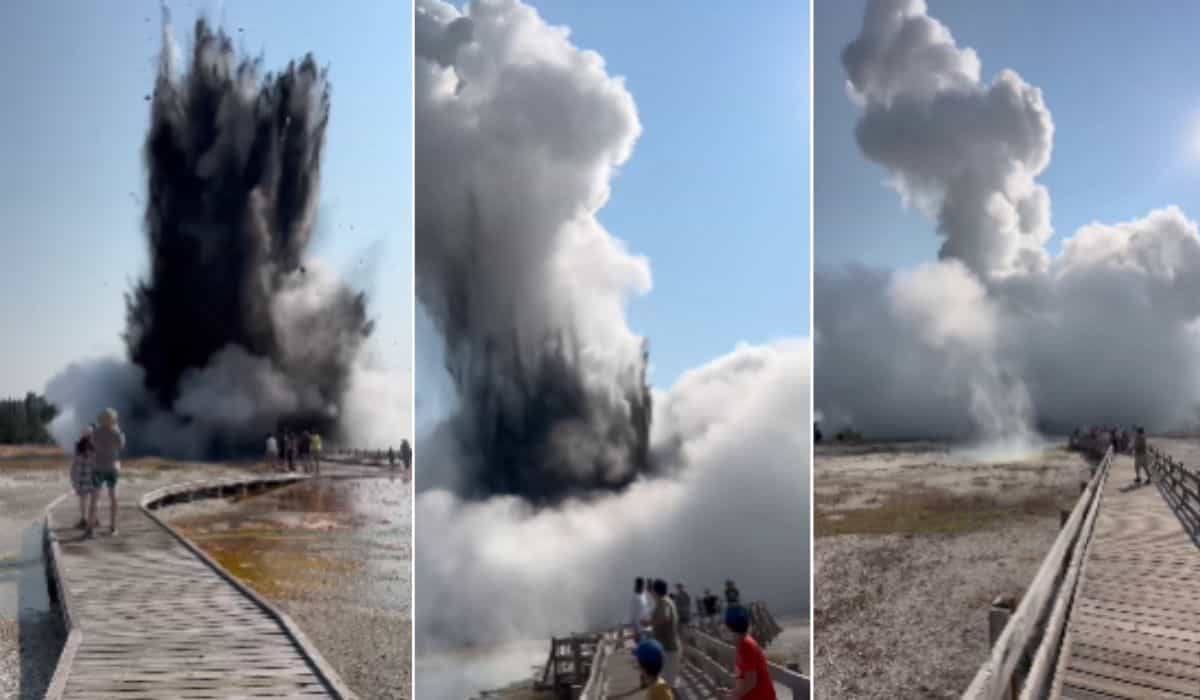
(99, 479)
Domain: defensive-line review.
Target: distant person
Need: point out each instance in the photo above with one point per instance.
(683, 603)
(82, 475)
(733, 596)
(391, 458)
(710, 604)
(272, 451)
(817, 432)
(1141, 457)
(304, 451)
(406, 454)
(637, 607)
(289, 449)
(649, 655)
(315, 447)
(664, 622)
(109, 441)
(753, 678)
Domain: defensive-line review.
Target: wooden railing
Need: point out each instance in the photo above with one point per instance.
(1026, 653)
(714, 659)
(571, 665)
(597, 679)
(1181, 488)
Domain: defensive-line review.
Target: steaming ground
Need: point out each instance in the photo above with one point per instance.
(913, 542)
(997, 338)
(234, 329)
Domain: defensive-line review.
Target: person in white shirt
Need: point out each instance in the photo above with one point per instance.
(637, 607)
(273, 451)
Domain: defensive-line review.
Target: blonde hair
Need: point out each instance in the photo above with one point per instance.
(109, 417)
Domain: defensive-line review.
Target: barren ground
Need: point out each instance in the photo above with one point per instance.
(913, 542)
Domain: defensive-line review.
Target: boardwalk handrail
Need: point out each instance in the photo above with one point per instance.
(53, 554)
(1026, 628)
(1181, 488)
(597, 675)
(153, 500)
(1048, 660)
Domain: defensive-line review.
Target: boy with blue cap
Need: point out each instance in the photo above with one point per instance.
(649, 655)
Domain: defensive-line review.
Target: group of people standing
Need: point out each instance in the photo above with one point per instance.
(656, 617)
(1122, 441)
(97, 466)
(304, 448)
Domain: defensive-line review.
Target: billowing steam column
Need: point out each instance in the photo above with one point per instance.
(516, 144)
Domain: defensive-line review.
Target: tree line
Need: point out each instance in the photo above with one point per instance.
(24, 421)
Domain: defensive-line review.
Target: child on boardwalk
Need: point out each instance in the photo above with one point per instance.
(649, 655)
(753, 676)
(81, 475)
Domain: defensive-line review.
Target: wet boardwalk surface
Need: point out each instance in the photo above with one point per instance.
(1134, 629)
(155, 621)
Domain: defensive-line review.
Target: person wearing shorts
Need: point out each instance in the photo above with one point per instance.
(109, 441)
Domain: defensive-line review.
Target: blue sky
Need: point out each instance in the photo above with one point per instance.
(1125, 103)
(716, 194)
(71, 180)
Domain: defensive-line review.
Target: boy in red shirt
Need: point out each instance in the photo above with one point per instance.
(753, 676)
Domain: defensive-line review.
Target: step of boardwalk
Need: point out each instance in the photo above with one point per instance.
(1134, 630)
(157, 622)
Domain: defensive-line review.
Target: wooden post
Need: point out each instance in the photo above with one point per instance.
(1002, 609)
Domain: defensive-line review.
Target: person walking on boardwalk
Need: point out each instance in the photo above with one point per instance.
(1141, 457)
(753, 677)
(664, 622)
(683, 604)
(81, 475)
(109, 441)
(650, 658)
(391, 458)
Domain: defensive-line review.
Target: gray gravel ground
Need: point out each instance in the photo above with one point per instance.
(902, 613)
(31, 636)
(906, 616)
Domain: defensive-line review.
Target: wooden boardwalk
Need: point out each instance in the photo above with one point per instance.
(1134, 624)
(149, 617)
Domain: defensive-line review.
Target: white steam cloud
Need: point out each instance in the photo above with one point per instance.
(998, 339)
